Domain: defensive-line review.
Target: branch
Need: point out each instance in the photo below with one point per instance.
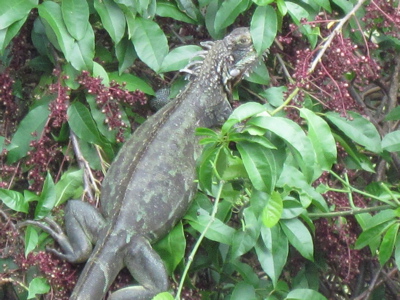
(337, 29)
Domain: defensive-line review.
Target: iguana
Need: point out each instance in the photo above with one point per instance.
(151, 183)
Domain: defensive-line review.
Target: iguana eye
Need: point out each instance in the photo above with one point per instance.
(244, 40)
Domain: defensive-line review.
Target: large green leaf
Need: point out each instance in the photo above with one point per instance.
(67, 187)
(112, 17)
(126, 54)
(216, 230)
(169, 10)
(179, 58)
(394, 114)
(38, 285)
(272, 212)
(242, 291)
(388, 243)
(260, 165)
(357, 128)
(263, 28)
(47, 199)
(28, 130)
(82, 124)
(172, 248)
(13, 11)
(150, 42)
(14, 200)
(76, 17)
(321, 137)
(294, 136)
(7, 34)
(391, 141)
(245, 239)
(302, 294)
(228, 12)
(369, 235)
(132, 82)
(51, 15)
(272, 251)
(299, 236)
(82, 52)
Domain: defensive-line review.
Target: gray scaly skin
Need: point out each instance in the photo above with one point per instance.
(151, 183)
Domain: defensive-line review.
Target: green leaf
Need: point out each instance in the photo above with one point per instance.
(14, 11)
(369, 235)
(272, 251)
(76, 17)
(260, 165)
(245, 239)
(292, 209)
(228, 12)
(68, 186)
(82, 124)
(28, 130)
(295, 137)
(302, 294)
(391, 141)
(31, 239)
(150, 42)
(14, 200)
(241, 113)
(82, 52)
(394, 114)
(324, 4)
(321, 137)
(397, 251)
(112, 17)
(359, 129)
(51, 15)
(7, 34)
(179, 58)
(132, 82)
(259, 74)
(242, 291)
(163, 296)
(189, 8)
(47, 199)
(274, 95)
(273, 210)
(217, 230)
(388, 242)
(38, 285)
(172, 248)
(263, 28)
(169, 10)
(126, 54)
(299, 236)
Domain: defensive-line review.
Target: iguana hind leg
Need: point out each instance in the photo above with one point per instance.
(83, 223)
(147, 268)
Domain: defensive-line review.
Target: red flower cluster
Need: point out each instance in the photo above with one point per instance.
(109, 99)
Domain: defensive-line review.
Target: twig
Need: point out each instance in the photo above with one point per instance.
(89, 180)
(200, 239)
(329, 40)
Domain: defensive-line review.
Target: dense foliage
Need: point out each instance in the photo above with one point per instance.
(299, 190)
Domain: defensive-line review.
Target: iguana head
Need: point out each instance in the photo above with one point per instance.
(242, 55)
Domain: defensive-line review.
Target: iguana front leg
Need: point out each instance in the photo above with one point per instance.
(83, 224)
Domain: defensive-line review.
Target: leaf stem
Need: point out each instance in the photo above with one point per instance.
(350, 212)
(200, 239)
(353, 189)
(287, 101)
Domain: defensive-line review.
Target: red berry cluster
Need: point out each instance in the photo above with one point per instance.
(342, 62)
(60, 274)
(336, 238)
(383, 15)
(43, 153)
(7, 100)
(109, 99)
(58, 107)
